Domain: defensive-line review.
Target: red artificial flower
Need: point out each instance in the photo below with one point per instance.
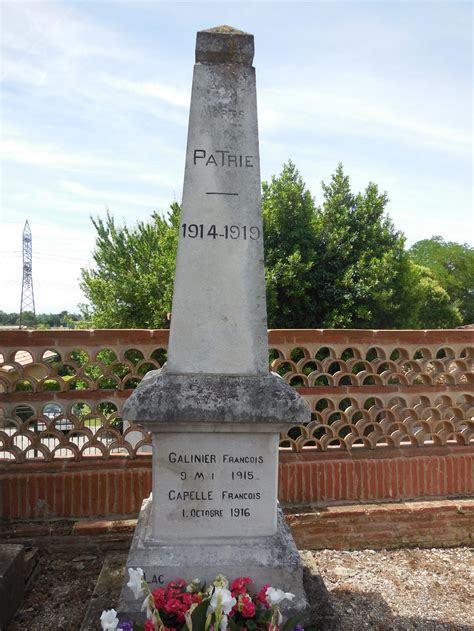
(175, 588)
(196, 598)
(178, 584)
(239, 586)
(262, 596)
(159, 597)
(248, 609)
(186, 599)
(174, 606)
(149, 626)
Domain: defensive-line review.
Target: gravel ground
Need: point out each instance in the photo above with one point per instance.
(400, 590)
(59, 592)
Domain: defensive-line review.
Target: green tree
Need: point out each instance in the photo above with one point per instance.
(9, 319)
(43, 320)
(131, 285)
(343, 264)
(54, 320)
(452, 265)
(28, 319)
(431, 305)
(290, 249)
(337, 266)
(362, 266)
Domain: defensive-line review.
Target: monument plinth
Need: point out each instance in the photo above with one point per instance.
(214, 410)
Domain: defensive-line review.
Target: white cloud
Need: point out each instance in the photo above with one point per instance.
(75, 187)
(352, 115)
(422, 227)
(111, 197)
(52, 51)
(52, 155)
(169, 94)
(37, 154)
(55, 33)
(167, 180)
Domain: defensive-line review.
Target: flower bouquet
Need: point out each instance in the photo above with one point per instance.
(195, 606)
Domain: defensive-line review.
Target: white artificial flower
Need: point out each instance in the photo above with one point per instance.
(193, 586)
(223, 624)
(146, 605)
(275, 596)
(221, 598)
(136, 581)
(221, 581)
(109, 620)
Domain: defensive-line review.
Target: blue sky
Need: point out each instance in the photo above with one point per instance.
(95, 100)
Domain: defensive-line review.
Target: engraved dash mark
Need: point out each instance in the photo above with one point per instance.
(221, 193)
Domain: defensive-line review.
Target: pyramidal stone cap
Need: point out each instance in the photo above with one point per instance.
(224, 45)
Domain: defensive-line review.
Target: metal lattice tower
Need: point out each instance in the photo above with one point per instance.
(27, 293)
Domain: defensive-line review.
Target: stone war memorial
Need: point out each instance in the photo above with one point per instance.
(214, 410)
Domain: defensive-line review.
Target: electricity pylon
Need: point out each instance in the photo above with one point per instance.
(27, 293)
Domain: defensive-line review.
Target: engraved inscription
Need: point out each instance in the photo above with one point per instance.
(232, 477)
(192, 458)
(220, 193)
(219, 111)
(158, 579)
(202, 231)
(222, 158)
(209, 491)
(242, 459)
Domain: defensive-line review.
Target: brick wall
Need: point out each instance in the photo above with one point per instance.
(384, 461)
(438, 523)
(116, 487)
(74, 489)
(376, 475)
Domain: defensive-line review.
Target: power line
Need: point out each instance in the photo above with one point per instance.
(62, 257)
(54, 257)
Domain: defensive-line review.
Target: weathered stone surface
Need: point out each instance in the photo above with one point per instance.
(219, 319)
(272, 559)
(12, 581)
(224, 44)
(167, 398)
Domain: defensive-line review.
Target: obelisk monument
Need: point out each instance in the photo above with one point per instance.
(214, 410)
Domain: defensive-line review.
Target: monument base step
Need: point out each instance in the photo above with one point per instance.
(106, 590)
(270, 560)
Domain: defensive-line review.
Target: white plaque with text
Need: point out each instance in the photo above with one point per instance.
(215, 485)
